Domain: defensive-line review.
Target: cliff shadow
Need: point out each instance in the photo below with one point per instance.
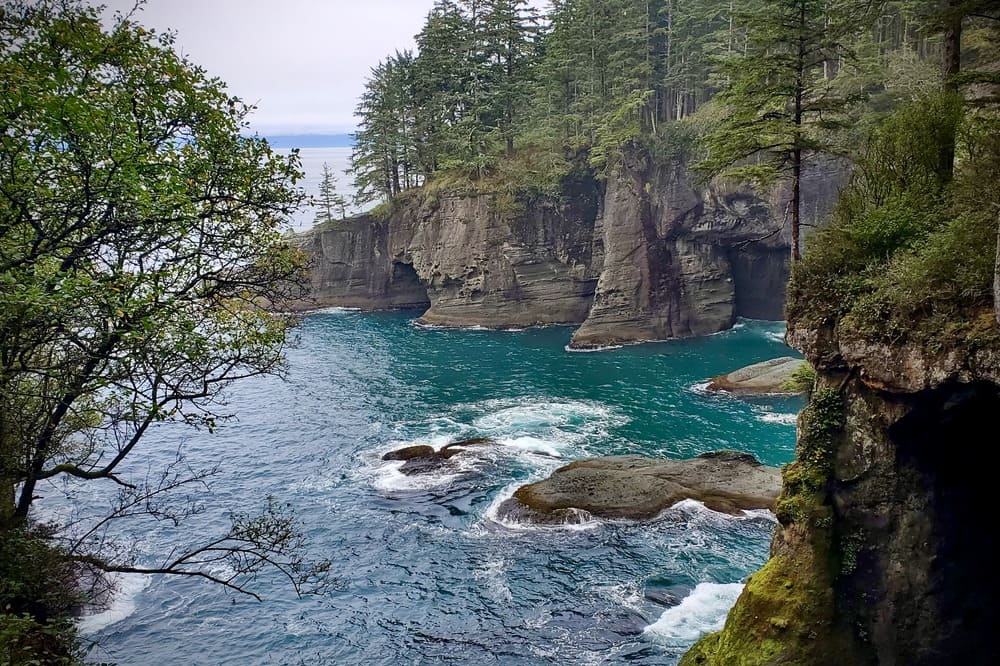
(760, 275)
(934, 597)
(405, 288)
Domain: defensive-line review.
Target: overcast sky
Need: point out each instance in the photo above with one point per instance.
(302, 63)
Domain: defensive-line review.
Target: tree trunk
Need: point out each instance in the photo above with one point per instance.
(796, 201)
(996, 275)
(951, 65)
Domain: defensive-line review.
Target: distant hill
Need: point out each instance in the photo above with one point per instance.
(311, 141)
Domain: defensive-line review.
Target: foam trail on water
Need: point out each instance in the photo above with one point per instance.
(123, 603)
(533, 445)
(701, 612)
(778, 417)
(588, 350)
(335, 310)
(701, 388)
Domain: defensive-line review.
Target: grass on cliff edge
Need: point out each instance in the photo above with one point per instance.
(910, 254)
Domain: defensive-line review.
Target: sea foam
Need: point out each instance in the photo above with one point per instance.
(123, 603)
(701, 612)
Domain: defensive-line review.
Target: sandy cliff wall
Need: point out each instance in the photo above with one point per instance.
(645, 255)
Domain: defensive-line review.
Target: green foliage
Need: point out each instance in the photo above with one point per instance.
(802, 380)
(142, 262)
(37, 597)
(910, 253)
(331, 206)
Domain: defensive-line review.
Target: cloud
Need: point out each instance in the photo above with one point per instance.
(302, 63)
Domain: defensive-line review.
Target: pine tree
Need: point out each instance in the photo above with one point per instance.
(384, 143)
(508, 30)
(781, 108)
(440, 87)
(330, 204)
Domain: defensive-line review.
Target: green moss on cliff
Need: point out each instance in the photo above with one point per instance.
(785, 614)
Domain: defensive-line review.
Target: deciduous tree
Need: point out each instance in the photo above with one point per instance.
(141, 237)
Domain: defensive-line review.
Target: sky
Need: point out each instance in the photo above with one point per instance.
(303, 63)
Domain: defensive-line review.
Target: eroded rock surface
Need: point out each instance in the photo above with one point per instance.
(880, 556)
(637, 487)
(645, 255)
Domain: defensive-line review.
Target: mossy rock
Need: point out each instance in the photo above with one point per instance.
(775, 376)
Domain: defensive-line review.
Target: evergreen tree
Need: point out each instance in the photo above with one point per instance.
(440, 86)
(781, 108)
(509, 32)
(331, 205)
(383, 145)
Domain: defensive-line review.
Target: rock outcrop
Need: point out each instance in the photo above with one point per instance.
(644, 255)
(636, 487)
(423, 458)
(881, 556)
(764, 378)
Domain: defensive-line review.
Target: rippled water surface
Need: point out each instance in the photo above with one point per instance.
(425, 574)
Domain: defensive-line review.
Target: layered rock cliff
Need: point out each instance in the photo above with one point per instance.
(884, 553)
(644, 255)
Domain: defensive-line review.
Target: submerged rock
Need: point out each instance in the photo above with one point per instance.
(422, 458)
(636, 487)
(767, 377)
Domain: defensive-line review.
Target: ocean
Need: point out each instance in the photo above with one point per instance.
(313, 159)
(425, 572)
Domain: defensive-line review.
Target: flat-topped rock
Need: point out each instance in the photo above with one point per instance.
(637, 487)
(766, 377)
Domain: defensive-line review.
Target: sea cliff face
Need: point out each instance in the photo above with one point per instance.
(644, 255)
(881, 556)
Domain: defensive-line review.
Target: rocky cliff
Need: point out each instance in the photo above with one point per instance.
(644, 255)
(884, 553)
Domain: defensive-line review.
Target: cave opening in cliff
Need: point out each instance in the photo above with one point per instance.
(760, 274)
(944, 445)
(407, 289)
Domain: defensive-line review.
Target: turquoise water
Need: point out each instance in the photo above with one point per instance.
(425, 574)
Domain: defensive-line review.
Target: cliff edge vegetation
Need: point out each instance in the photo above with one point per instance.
(877, 557)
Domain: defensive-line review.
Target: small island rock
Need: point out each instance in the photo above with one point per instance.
(636, 487)
(767, 377)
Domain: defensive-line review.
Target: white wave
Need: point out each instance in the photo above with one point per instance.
(701, 612)
(583, 519)
(777, 417)
(695, 512)
(334, 310)
(533, 445)
(388, 478)
(123, 603)
(436, 442)
(416, 323)
(761, 513)
(701, 388)
(775, 336)
(587, 350)
(532, 414)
